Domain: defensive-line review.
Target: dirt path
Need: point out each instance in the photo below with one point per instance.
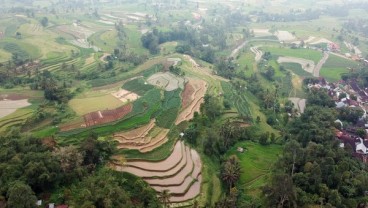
(318, 67)
(341, 56)
(237, 49)
(104, 56)
(257, 52)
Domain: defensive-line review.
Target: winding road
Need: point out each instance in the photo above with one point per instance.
(318, 67)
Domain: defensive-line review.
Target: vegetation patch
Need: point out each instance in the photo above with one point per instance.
(256, 162)
(83, 106)
(138, 86)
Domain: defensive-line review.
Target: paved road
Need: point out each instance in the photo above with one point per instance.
(318, 67)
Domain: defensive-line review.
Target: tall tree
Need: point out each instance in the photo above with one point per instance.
(164, 197)
(21, 195)
(231, 171)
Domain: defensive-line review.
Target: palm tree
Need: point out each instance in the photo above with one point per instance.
(164, 197)
(231, 171)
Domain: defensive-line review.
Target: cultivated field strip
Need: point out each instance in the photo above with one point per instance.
(180, 173)
(196, 99)
(143, 139)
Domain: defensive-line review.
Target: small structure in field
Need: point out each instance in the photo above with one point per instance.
(240, 149)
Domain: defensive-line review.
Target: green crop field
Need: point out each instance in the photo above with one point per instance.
(336, 61)
(90, 104)
(256, 162)
(335, 66)
(245, 62)
(296, 69)
(138, 86)
(309, 54)
(143, 111)
(18, 117)
(170, 108)
(333, 74)
(238, 100)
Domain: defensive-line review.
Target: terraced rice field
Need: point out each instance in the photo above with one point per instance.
(15, 118)
(143, 139)
(180, 174)
(8, 107)
(194, 98)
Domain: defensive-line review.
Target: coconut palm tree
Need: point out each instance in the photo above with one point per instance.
(164, 197)
(231, 171)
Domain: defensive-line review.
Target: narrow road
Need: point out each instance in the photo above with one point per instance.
(318, 67)
(235, 52)
(237, 49)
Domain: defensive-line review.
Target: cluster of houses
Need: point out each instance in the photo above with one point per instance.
(356, 97)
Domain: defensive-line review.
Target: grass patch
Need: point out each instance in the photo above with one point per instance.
(298, 53)
(255, 162)
(245, 62)
(90, 104)
(138, 86)
(332, 74)
(334, 61)
(169, 110)
(296, 69)
(238, 100)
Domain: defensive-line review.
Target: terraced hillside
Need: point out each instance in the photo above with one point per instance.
(192, 98)
(180, 174)
(143, 139)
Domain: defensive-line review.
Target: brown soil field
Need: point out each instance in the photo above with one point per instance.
(187, 113)
(13, 97)
(187, 95)
(107, 116)
(97, 118)
(193, 191)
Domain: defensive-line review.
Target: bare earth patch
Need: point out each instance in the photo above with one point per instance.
(167, 81)
(8, 107)
(261, 32)
(306, 64)
(314, 40)
(125, 95)
(187, 113)
(257, 52)
(299, 103)
(285, 36)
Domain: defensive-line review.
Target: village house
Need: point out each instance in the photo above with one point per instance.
(359, 145)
